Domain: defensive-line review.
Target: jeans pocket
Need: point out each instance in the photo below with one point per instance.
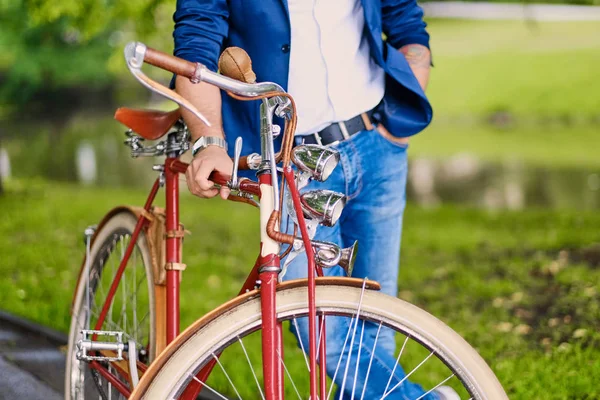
(387, 141)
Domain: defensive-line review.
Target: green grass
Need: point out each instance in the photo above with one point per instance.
(540, 79)
(517, 285)
(532, 145)
(532, 70)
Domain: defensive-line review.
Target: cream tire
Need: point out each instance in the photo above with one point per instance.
(167, 377)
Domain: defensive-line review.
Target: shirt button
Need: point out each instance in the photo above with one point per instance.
(285, 48)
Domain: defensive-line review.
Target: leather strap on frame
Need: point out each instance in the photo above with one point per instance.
(173, 266)
(148, 215)
(179, 233)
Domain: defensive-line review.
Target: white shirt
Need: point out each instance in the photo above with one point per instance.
(332, 77)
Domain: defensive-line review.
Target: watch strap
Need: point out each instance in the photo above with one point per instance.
(204, 141)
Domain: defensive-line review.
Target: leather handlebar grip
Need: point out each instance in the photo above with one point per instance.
(170, 63)
(245, 185)
(219, 178)
(235, 63)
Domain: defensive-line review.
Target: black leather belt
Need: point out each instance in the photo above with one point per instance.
(338, 131)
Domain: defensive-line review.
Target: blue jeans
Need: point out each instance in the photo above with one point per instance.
(372, 173)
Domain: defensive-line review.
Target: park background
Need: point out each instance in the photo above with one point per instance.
(501, 237)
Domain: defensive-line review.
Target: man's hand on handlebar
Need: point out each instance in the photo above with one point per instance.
(212, 158)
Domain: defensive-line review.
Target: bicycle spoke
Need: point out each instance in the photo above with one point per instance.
(337, 367)
(319, 335)
(142, 279)
(251, 368)
(227, 376)
(362, 331)
(99, 286)
(208, 387)
(435, 387)
(396, 365)
(362, 293)
(370, 362)
(295, 322)
(109, 385)
(288, 374)
(123, 315)
(407, 375)
(112, 278)
(134, 289)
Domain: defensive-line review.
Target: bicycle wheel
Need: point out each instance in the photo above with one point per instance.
(132, 310)
(234, 330)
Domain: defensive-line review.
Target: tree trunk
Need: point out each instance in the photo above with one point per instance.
(1, 188)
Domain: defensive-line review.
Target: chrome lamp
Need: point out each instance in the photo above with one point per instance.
(325, 206)
(319, 161)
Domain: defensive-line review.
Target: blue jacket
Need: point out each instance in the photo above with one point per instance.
(203, 28)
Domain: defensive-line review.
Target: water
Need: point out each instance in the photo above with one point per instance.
(95, 154)
(511, 185)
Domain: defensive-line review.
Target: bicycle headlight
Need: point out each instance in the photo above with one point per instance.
(323, 205)
(319, 161)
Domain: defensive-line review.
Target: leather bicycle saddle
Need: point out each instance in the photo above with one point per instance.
(149, 124)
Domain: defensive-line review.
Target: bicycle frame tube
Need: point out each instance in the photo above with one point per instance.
(269, 268)
(111, 378)
(173, 251)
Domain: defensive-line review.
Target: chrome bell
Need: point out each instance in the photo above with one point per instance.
(329, 255)
(348, 258)
(325, 206)
(317, 160)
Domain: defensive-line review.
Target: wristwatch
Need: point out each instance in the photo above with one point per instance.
(205, 141)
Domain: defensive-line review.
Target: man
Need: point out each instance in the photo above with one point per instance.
(330, 55)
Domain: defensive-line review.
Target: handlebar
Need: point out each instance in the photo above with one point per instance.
(137, 53)
(167, 62)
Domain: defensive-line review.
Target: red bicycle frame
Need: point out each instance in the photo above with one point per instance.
(265, 272)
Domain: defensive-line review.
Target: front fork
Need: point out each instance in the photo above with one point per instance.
(269, 267)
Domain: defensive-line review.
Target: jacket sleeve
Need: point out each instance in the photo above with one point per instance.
(403, 24)
(200, 28)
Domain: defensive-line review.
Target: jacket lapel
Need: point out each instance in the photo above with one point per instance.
(372, 10)
(284, 3)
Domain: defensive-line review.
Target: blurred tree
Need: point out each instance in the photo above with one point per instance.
(50, 50)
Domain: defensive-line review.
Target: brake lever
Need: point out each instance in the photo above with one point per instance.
(234, 184)
(134, 57)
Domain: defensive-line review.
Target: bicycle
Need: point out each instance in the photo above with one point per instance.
(144, 340)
